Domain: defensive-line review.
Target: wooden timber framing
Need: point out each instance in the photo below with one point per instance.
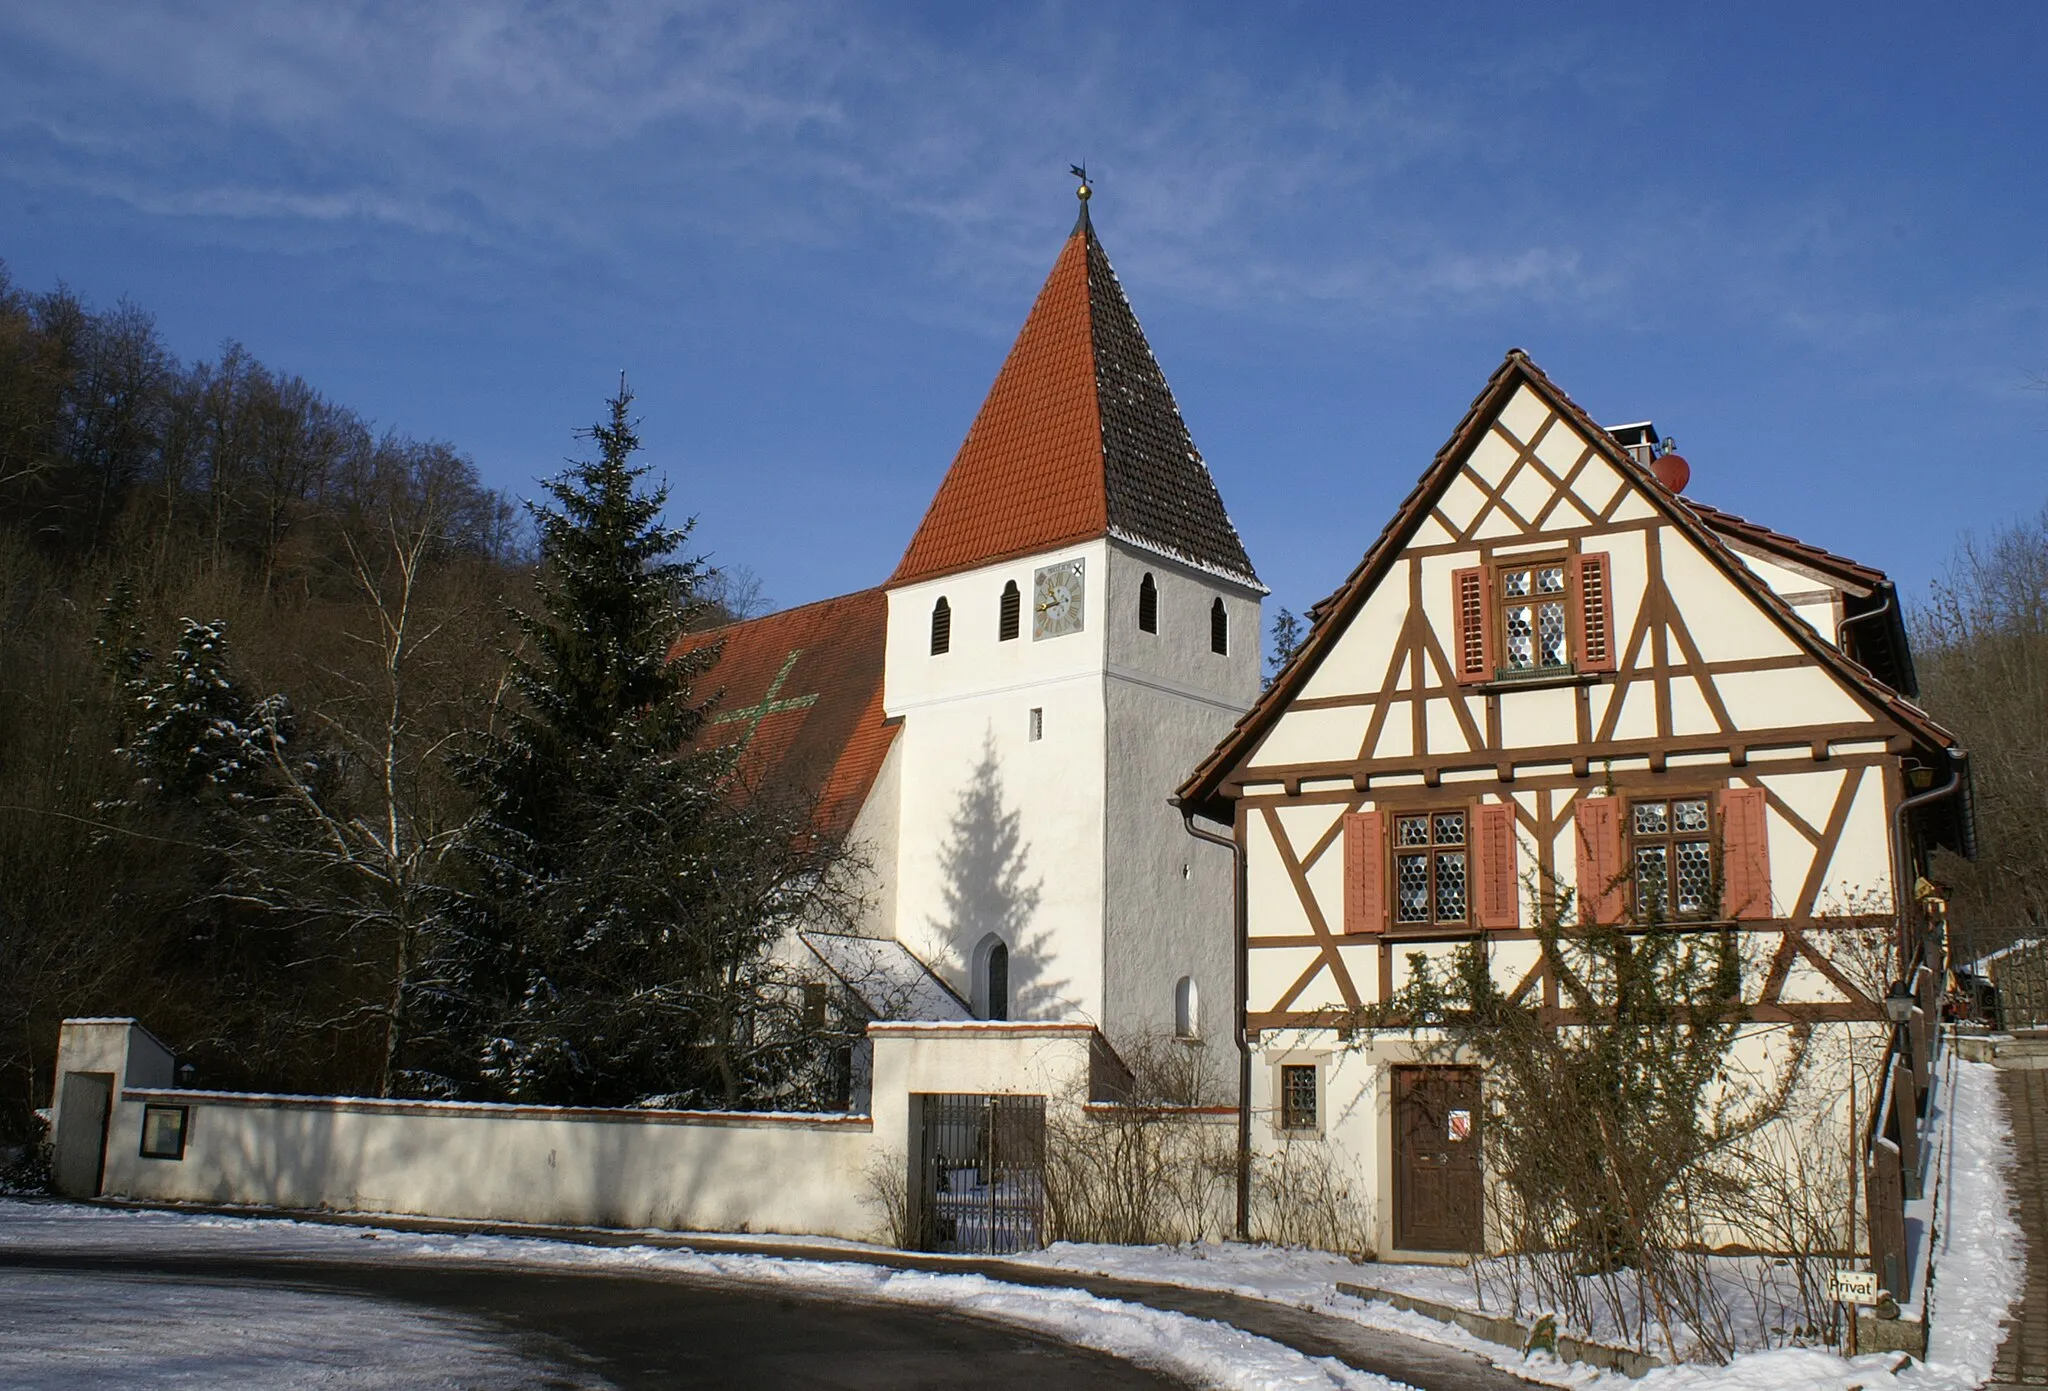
(1819, 744)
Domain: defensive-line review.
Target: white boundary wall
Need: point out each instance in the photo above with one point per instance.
(680, 1170)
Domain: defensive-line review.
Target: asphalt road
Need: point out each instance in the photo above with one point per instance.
(641, 1331)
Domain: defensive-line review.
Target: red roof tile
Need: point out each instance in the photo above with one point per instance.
(1078, 438)
(803, 689)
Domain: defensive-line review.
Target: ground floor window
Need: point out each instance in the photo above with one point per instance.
(1298, 1096)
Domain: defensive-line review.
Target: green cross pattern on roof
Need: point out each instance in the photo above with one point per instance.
(752, 715)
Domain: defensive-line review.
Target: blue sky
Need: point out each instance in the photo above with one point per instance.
(1808, 241)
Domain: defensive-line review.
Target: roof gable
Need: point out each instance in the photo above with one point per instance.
(1078, 438)
(1525, 462)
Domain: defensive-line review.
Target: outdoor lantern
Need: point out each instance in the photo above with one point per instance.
(1898, 1002)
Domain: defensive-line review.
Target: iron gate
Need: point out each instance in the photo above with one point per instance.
(981, 1173)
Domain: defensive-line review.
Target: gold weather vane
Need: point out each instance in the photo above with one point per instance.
(1080, 171)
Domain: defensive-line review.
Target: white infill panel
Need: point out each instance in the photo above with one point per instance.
(1726, 623)
(1529, 494)
(1596, 486)
(1461, 501)
(1562, 448)
(1357, 662)
(1330, 735)
(1799, 697)
(1491, 458)
(1524, 414)
(1272, 970)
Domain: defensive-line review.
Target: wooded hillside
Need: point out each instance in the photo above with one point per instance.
(249, 642)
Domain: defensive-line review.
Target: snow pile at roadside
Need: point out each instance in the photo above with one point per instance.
(1205, 1353)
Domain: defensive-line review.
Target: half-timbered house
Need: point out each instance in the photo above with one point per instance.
(1555, 684)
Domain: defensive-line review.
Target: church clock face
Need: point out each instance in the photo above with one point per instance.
(1056, 600)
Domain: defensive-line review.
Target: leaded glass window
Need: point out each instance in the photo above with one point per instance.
(1430, 874)
(1671, 849)
(1532, 618)
(1298, 1097)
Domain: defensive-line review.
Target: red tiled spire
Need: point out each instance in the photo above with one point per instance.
(1078, 438)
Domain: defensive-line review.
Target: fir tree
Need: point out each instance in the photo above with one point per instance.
(626, 894)
(1288, 636)
(198, 736)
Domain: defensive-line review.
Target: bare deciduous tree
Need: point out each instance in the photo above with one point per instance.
(1981, 649)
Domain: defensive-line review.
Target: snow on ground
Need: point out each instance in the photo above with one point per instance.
(71, 1331)
(1980, 1261)
(1205, 1353)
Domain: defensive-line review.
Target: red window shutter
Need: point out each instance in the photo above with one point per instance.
(1498, 892)
(1474, 659)
(1603, 892)
(1745, 854)
(1594, 615)
(1365, 889)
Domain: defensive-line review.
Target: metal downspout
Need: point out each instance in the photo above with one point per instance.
(1244, 1048)
(1884, 607)
(1902, 861)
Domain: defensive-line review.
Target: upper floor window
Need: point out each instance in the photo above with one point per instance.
(1532, 617)
(1431, 869)
(1007, 618)
(1696, 855)
(942, 626)
(1148, 605)
(1187, 1009)
(1219, 629)
(1671, 857)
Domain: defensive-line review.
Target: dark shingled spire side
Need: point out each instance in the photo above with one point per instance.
(1160, 493)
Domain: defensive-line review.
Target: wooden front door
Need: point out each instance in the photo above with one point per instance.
(1437, 1177)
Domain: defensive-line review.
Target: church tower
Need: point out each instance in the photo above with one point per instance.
(1074, 624)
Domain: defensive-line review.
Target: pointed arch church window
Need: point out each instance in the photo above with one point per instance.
(1007, 619)
(942, 627)
(1219, 629)
(1148, 605)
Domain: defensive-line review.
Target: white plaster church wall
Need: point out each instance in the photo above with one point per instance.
(971, 773)
(1169, 698)
(873, 841)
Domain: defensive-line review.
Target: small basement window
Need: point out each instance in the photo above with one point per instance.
(1298, 1096)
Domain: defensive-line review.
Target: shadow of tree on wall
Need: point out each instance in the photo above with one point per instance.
(988, 889)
